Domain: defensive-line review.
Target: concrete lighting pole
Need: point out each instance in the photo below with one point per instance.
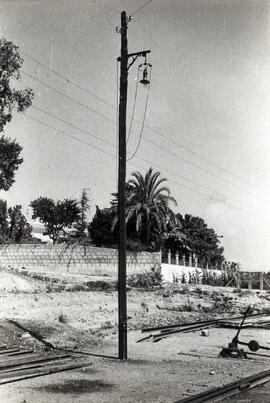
(122, 292)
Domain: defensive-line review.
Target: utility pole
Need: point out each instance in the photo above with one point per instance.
(122, 290)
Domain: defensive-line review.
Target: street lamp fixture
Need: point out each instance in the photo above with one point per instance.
(145, 80)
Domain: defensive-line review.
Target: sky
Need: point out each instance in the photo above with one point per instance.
(207, 120)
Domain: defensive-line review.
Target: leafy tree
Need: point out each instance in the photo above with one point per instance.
(9, 161)
(148, 216)
(10, 98)
(3, 219)
(80, 227)
(19, 229)
(100, 228)
(175, 240)
(56, 216)
(148, 208)
(13, 224)
(201, 240)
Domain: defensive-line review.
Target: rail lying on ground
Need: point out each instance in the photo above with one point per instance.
(220, 393)
(257, 320)
(17, 365)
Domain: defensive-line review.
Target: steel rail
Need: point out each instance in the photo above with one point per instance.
(34, 360)
(186, 329)
(158, 337)
(219, 393)
(46, 372)
(151, 329)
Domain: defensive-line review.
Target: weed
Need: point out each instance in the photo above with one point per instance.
(77, 287)
(49, 288)
(99, 285)
(188, 307)
(107, 325)
(145, 307)
(183, 290)
(242, 293)
(147, 279)
(198, 290)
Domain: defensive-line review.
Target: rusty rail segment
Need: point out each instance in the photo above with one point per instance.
(17, 365)
(176, 325)
(222, 392)
(229, 322)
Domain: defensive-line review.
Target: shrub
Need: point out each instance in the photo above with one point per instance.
(188, 307)
(147, 279)
(183, 278)
(99, 285)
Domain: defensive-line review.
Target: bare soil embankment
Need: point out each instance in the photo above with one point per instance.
(73, 315)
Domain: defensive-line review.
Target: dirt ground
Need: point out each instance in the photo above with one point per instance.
(81, 314)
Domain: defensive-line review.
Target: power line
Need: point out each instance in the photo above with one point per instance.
(140, 158)
(144, 139)
(144, 116)
(68, 97)
(189, 180)
(73, 126)
(147, 126)
(68, 80)
(108, 153)
(134, 105)
(197, 155)
(209, 196)
(107, 143)
(198, 166)
(140, 8)
(70, 135)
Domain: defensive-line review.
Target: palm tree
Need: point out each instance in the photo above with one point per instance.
(147, 204)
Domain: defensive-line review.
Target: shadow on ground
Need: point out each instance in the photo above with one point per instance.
(71, 386)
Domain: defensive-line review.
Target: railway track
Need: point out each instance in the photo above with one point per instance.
(17, 365)
(254, 321)
(220, 393)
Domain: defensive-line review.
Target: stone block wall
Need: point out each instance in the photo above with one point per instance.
(75, 258)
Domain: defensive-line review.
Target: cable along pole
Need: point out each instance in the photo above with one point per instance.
(122, 290)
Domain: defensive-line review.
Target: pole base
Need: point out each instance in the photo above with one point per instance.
(232, 352)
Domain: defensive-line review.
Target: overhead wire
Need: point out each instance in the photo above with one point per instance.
(209, 196)
(144, 116)
(69, 135)
(68, 97)
(198, 155)
(67, 79)
(218, 194)
(134, 105)
(92, 135)
(221, 196)
(168, 139)
(72, 125)
(140, 8)
(100, 149)
(144, 139)
(112, 145)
